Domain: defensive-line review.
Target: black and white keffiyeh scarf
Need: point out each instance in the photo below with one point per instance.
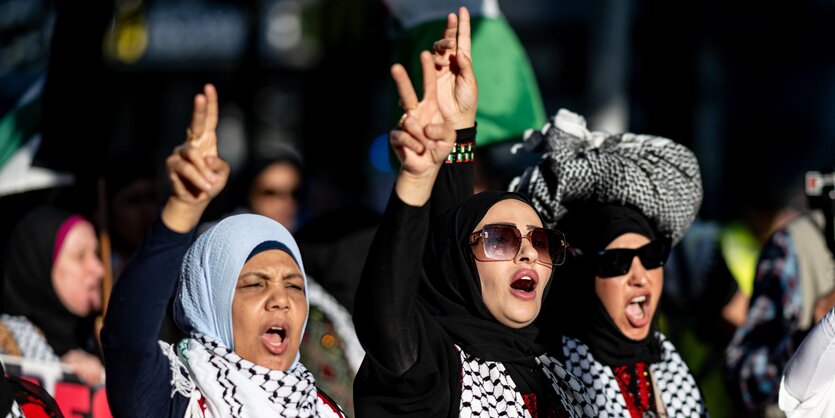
(654, 174)
(29, 339)
(219, 383)
(487, 390)
(678, 390)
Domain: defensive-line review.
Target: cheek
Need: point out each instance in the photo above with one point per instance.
(609, 293)
(299, 312)
(65, 278)
(244, 316)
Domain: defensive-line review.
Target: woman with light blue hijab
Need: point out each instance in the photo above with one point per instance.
(241, 295)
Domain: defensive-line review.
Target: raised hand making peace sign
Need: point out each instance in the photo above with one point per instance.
(450, 96)
(456, 82)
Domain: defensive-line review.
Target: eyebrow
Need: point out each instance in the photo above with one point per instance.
(264, 276)
(293, 276)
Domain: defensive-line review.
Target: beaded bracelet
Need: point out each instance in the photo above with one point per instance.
(461, 153)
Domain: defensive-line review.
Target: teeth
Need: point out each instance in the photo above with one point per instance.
(276, 328)
(526, 278)
(639, 299)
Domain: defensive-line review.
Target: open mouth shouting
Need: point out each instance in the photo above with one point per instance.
(637, 310)
(275, 338)
(523, 285)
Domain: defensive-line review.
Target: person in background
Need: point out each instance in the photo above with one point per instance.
(807, 388)
(133, 205)
(793, 289)
(271, 186)
(51, 292)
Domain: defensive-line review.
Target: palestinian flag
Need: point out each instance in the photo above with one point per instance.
(509, 101)
(20, 139)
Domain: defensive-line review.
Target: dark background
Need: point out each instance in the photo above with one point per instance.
(751, 89)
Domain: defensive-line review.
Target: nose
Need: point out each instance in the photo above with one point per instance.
(277, 299)
(637, 273)
(95, 267)
(527, 253)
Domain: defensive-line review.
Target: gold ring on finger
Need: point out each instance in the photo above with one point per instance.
(402, 119)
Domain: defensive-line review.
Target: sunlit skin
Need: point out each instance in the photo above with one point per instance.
(77, 271)
(270, 293)
(272, 193)
(503, 302)
(616, 293)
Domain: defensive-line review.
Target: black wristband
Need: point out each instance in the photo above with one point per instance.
(466, 134)
(463, 150)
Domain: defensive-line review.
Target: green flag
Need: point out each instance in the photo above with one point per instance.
(509, 101)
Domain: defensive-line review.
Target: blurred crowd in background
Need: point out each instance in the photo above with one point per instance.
(105, 89)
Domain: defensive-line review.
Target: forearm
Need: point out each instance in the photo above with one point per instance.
(454, 182)
(141, 295)
(385, 313)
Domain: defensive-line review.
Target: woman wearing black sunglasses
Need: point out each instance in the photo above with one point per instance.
(452, 284)
(621, 201)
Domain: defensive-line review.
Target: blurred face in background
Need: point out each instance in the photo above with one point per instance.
(77, 272)
(274, 193)
(133, 210)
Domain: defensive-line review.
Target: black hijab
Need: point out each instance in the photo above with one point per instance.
(27, 281)
(451, 288)
(589, 227)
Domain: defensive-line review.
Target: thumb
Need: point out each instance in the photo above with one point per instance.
(217, 164)
(465, 65)
(440, 132)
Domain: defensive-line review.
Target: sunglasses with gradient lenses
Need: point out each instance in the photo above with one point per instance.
(617, 262)
(502, 242)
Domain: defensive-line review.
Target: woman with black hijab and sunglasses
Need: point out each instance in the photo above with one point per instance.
(622, 200)
(452, 283)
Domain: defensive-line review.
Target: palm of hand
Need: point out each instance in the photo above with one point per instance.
(457, 97)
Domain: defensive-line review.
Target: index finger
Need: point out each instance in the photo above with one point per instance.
(429, 79)
(408, 97)
(464, 38)
(211, 107)
(198, 116)
(451, 29)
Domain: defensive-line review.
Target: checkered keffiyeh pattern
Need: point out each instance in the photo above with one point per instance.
(487, 390)
(678, 389)
(231, 386)
(658, 176)
(29, 339)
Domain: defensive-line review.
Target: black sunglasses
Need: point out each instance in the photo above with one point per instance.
(502, 242)
(617, 262)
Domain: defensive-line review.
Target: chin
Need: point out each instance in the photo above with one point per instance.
(636, 335)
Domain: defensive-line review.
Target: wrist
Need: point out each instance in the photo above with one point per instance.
(180, 216)
(463, 122)
(415, 189)
(463, 150)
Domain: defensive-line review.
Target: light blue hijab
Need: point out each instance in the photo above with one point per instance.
(210, 270)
